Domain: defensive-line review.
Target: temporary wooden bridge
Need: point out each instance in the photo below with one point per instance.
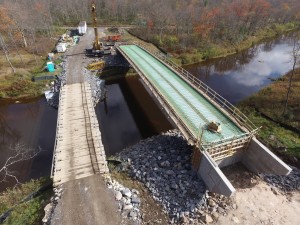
(78, 150)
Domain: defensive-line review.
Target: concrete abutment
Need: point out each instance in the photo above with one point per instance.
(257, 158)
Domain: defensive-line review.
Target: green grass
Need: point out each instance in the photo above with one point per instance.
(12, 196)
(17, 87)
(274, 135)
(29, 212)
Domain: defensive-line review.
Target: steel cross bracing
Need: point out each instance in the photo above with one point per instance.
(192, 109)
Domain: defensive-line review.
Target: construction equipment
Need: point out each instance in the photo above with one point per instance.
(97, 49)
(96, 44)
(214, 127)
(96, 65)
(113, 38)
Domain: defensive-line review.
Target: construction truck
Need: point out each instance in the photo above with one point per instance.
(113, 38)
(98, 49)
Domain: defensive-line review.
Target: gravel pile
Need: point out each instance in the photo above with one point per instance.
(128, 200)
(162, 163)
(97, 86)
(285, 183)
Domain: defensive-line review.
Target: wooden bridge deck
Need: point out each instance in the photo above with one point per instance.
(79, 151)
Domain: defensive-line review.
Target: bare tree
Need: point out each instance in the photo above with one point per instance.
(20, 153)
(295, 58)
(5, 50)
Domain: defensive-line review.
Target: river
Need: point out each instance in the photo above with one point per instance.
(130, 112)
(32, 124)
(238, 76)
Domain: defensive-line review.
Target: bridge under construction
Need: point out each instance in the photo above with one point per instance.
(221, 134)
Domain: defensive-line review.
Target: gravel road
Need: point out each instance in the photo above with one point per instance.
(86, 201)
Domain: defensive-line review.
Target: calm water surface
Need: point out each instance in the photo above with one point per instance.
(128, 115)
(33, 124)
(238, 76)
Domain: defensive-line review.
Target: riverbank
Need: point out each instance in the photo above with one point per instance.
(28, 63)
(210, 50)
(265, 108)
(219, 50)
(25, 203)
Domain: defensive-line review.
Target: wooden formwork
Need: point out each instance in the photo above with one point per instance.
(196, 159)
(221, 150)
(230, 148)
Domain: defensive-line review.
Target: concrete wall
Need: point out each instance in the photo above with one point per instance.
(259, 159)
(237, 157)
(213, 177)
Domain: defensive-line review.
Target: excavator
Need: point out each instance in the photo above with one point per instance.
(98, 49)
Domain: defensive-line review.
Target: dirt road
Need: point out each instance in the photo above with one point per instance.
(86, 201)
(76, 58)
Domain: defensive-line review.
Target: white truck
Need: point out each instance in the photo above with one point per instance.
(82, 27)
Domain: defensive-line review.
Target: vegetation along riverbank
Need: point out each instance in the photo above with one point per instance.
(279, 131)
(25, 204)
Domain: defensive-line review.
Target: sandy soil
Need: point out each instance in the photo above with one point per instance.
(258, 203)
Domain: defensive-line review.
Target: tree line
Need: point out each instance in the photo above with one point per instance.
(171, 22)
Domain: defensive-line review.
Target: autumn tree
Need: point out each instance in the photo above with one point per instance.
(5, 23)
